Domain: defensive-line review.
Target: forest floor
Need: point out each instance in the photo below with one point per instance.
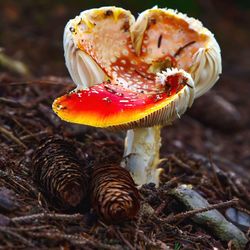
(208, 149)
(26, 118)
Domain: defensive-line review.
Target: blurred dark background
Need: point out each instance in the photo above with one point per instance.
(31, 31)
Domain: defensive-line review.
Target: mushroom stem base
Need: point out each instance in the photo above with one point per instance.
(141, 154)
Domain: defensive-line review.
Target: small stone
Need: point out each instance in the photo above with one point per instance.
(212, 219)
(215, 111)
(7, 200)
(240, 219)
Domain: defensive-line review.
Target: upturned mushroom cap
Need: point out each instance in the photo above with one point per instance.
(126, 70)
(186, 39)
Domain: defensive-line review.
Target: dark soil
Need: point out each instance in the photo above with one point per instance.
(208, 148)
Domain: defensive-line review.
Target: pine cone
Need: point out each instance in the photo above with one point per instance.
(115, 197)
(59, 173)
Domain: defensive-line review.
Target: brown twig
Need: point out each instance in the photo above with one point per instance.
(215, 174)
(20, 182)
(187, 214)
(124, 240)
(29, 228)
(11, 136)
(160, 208)
(24, 129)
(34, 136)
(117, 234)
(181, 164)
(16, 235)
(42, 216)
(169, 183)
(157, 244)
(137, 226)
(11, 102)
(74, 239)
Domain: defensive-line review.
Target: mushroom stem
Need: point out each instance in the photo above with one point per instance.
(141, 154)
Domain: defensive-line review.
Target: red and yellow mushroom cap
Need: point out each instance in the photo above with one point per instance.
(135, 73)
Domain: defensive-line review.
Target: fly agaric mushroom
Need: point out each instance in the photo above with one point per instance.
(137, 75)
